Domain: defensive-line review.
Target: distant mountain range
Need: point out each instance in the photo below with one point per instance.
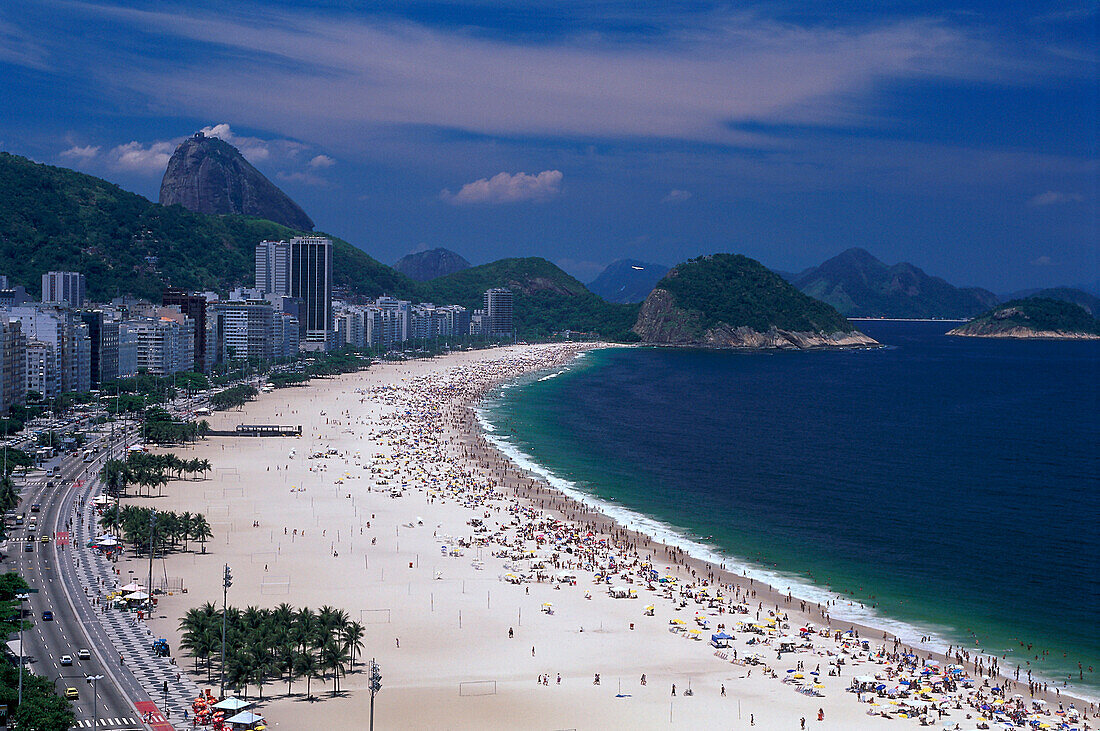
(627, 280)
(209, 175)
(859, 285)
(1088, 302)
(420, 266)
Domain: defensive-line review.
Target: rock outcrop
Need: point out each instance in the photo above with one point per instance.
(421, 266)
(208, 175)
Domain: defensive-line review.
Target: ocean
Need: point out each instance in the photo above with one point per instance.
(937, 486)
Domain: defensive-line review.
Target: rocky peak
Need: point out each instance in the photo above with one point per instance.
(209, 175)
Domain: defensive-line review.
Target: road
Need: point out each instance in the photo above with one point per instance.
(46, 568)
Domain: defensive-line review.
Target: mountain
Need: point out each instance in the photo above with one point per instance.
(627, 280)
(729, 300)
(57, 219)
(1036, 317)
(421, 266)
(208, 175)
(859, 285)
(546, 299)
(1087, 301)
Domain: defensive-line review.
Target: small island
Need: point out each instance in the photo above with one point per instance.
(1036, 317)
(732, 301)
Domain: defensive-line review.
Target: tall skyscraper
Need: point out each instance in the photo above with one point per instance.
(63, 288)
(194, 306)
(310, 275)
(498, 311)
(103, 334)
(273, 267)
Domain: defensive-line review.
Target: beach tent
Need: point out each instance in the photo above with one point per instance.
(101, 500)
(720, 640)
(132, 586)
(245, 718)
(137, 596)
(233, 704)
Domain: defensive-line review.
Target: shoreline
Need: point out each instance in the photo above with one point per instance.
(412, 470)
(593, 509)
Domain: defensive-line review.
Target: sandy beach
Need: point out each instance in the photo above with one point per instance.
(477, 583)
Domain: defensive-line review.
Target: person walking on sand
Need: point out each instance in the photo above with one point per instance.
(643, 679)
(674, 689)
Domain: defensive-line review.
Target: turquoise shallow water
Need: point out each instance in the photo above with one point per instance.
(946, 486)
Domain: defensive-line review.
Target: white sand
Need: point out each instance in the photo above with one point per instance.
(451, 618)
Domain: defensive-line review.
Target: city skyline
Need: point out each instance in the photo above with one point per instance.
(961, 141)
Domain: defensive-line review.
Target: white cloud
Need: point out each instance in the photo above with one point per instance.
(321, 161)
(676, 196)
(306, 178)
(505, 188)
(254, 149)
(1053, 197)
(1043, 261)
(135, 157)
(77, 152)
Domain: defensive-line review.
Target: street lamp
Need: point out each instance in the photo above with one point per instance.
(94, 680)
(227, 581)
(22, 598)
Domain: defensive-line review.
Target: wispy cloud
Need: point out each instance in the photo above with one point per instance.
(321, 162)
(1042, 261)
(269, 68)
(507, 188)
(676, 196)
(76, 152)
(1054, 197)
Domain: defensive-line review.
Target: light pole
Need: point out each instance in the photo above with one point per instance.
(375, 686)
(22, 598)
(94, 680)
(152, 530)
(227, 581)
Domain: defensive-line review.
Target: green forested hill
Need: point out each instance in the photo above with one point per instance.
(546, 298)
(1030, 317)
(734, 290)
(57, 219)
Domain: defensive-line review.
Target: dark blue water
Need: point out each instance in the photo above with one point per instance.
(946, 483)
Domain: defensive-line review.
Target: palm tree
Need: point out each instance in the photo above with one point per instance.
(334, 657)
(287, 658)
(353, 639)
(200, 530)
(186, 521)
(309, 667)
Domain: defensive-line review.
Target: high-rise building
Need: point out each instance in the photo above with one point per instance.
(310, 275)
(103, 336)
(164, 345)
(273, 267)
(245, 329)
(69, 341)
(193, 305)
(63, 288)
(13, 364)
(498, 311)
(41, 368)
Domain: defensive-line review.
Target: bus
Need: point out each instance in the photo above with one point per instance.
(89, 455)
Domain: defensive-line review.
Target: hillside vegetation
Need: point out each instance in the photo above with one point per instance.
(57, 219)
(546, 299)
(1037, 317)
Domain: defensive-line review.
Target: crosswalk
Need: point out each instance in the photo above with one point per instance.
(117, 723)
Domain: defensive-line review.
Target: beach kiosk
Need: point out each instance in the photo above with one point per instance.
(720, 640)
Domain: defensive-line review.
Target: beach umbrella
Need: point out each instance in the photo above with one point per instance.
(137, 596)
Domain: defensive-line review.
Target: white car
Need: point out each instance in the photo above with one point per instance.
(66, 660)
(83, 654)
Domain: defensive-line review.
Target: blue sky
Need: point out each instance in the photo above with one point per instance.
(960, 137)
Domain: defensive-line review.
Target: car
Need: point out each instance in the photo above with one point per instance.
(35, 508)
(29, 548)
(65, 660)
(72, 694)
(83, 654)
(47, 616)
(45, 539)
